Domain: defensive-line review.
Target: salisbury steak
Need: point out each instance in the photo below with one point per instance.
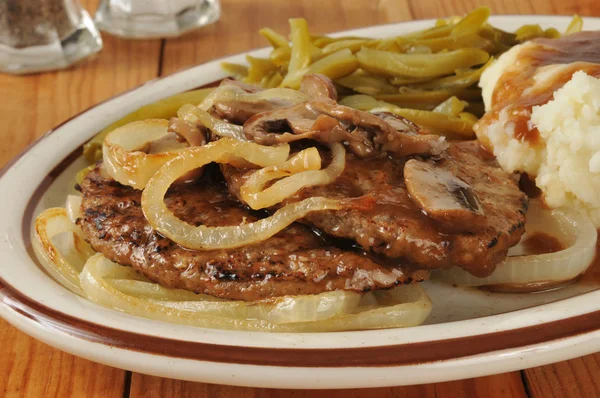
(471, 225)
(295, 261)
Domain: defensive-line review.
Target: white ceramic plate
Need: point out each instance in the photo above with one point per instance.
(470, 333)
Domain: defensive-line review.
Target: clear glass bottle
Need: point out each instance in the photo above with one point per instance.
(142, 19)
(40, 35)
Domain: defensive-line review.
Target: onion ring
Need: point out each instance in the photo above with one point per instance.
(48, 225)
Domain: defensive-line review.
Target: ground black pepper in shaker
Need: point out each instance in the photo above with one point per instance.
(37, 35)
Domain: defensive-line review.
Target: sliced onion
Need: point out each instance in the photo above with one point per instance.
(103, 283)
(209, 238)
(194, 114)
(285, 96)
(571, 227)
(298, 172)
(73, 208)
(288, 309)
(63, 266)
(124, 156)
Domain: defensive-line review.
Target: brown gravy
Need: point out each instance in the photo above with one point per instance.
(518, 92)
(541, 243)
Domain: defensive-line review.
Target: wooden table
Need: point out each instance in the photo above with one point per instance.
(33, 104)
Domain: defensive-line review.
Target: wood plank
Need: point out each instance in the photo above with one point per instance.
(506, 386)
(32, 105)
(578, 377)
(29, 368)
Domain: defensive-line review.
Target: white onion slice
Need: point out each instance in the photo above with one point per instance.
(571, 227)
(105, 282)
(124, 156)
(64, 267)
(73, 208)
(285, 96)
(297, 173)
(207, 238)
(280, 310)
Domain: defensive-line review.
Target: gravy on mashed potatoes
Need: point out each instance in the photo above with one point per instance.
(542, 101)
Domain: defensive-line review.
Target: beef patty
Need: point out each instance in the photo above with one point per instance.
(295, 261)
(398, 229)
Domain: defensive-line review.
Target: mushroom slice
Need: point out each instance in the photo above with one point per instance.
(444, 197)
(323, 120)
(318, 86)
(193, 134)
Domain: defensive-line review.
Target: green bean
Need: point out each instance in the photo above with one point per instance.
(407, 81)
(528, 32)
(410, 97)
(455, 82)
(360, 101)
(334, 66)
(272, 80)
(472, 22)
(275, 39)
(501, 40)
(432, 69)
(236, 70)
(446, 43)
(300, 45)
(281, 56)
(575, 26)
(367, 84)
(431, 33)
(419, 65)
(352, 44)
(452, 106)
(258, 69)
(438, 123)
(322, 41)
(388, 45)
(552, 33)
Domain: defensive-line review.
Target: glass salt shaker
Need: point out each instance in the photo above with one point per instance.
(40, 35)
(142, 19)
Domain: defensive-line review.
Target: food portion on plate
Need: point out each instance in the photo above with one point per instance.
(317, 192)
(542, 117)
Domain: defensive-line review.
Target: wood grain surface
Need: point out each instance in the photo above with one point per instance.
(33, 104)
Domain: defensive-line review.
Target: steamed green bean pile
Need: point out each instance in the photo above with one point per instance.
(429, 77)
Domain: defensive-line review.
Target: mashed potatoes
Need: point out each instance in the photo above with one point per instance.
(565, 159)
(569, 173)
(513, 154)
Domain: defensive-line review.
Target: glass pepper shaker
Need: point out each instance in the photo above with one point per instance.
(40, 35)
(143, 19)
